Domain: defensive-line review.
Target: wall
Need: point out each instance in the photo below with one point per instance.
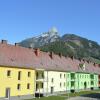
(80, 80)
(53, 79)
(12, 81)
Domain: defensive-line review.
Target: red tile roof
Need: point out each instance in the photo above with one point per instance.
(26, 58)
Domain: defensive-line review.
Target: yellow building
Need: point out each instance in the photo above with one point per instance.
(17, 76)
(16, 82)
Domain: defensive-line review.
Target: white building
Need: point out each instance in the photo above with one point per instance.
(51, 82)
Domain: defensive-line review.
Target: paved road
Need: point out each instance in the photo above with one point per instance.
(82, 98)
(95, 96)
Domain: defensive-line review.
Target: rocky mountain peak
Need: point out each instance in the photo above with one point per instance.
(45, 38)
(53, 30)
(51, 33)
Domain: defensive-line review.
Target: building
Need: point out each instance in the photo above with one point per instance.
(17, 76)
(27, 73)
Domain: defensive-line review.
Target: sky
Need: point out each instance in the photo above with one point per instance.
(21, 19)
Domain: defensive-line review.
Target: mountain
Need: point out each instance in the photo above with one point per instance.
(43, 39)
(67, 45)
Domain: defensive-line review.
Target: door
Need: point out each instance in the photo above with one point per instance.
(85, 85)
(7, 95)
(52, 90)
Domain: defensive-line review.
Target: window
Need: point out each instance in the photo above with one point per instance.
(81, 83)
(37, 74)
(52, 80)
(88, 83)
(92, 83)
(18, 86)
(68, 84)
(42, 85)
(60, 75)
(29, 74)
(42, 75)
(8, 73)
(64, 84)
(19, 75)
(60, 84)
(64, 75)
(67, 75)
(28, 86)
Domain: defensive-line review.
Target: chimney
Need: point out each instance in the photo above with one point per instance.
(37, 51)
(80, 59)
(4, 41)
(72, 57)
(51, 55)
(83, 60)
(60, 55)
(16, 44)
(99, 65)
(94, 64)
(88, 61)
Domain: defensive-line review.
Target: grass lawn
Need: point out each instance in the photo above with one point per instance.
(81, 93)
(50, 98)
(64, 96)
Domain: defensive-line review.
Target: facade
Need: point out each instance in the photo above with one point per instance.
(81, 81)
(27, 73)
(16, 83)
(56, 82)
(50, 82)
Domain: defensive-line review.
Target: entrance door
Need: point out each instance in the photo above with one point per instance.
(85, 85)
(7, 95)
(52, 90)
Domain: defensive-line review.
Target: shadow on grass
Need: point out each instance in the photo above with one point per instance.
(94, 95)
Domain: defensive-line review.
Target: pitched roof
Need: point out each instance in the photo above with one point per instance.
(21, 57)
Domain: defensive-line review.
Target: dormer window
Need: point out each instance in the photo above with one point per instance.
(60, 55)
(88, 61)
(82, 66)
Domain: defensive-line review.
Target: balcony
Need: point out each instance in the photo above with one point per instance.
(72, 85)
(40, 79)
(40, 76)
(72, 76)
(39, 91)
(39, 87)
(92, 83)
(92, 77)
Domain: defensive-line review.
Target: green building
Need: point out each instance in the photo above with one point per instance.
(85, 78)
